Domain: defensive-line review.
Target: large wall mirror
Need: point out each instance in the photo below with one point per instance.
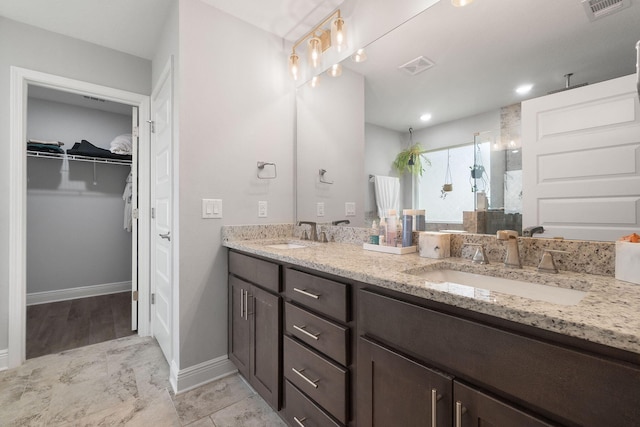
(461, 67)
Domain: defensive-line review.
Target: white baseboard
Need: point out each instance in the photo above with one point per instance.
(4, 360)
(197, 375)
(79, 292)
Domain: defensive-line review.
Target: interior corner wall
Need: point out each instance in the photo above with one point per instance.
(36, 49)
(236, 108)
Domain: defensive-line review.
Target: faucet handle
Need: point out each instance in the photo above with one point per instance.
(506, 234)
(480, 257)
(305, 235)
(547, 264)
(323, 237)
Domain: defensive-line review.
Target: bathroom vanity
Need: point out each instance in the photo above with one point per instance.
(364, 340)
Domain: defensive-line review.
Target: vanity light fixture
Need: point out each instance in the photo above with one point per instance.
(460, 3)
(319, 39)
(359, 56)
(335, 70)
(524, 89)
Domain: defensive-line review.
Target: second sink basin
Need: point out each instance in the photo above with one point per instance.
(536, 291)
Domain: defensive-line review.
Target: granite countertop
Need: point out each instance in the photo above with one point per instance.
(608, 314)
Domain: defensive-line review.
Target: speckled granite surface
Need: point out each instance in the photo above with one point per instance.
(609, 314)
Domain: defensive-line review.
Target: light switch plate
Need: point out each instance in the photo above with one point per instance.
(211, 208)
(350, 209)
(320, 209)
(262, 209)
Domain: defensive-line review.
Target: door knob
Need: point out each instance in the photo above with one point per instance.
(166, 236)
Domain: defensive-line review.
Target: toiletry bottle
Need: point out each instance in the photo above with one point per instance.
(421, 223)
(382, 235)
(399, 233)
(392, 229)
(375, 233)
(407, 227)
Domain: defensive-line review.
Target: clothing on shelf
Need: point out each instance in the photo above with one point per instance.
(122, 144)
(40, 141)
(85, 148)
(126, 196)
(44, 147)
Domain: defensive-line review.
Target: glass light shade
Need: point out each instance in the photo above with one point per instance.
(294, 66)
(315, 81)
(335, 70)
(359, 56)
(338, 34)
(460, 3)
(315, 53)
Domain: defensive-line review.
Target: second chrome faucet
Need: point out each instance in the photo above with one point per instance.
(512, 255)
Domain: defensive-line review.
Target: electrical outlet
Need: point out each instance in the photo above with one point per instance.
(350, 209)
(262, 209)
(320, 209)
(211, 208)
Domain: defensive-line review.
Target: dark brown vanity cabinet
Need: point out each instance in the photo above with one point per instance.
(499, 377)
(316, 350)
(254, 323)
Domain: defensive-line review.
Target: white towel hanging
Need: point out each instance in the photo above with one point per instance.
(387, 194)
(126, 196)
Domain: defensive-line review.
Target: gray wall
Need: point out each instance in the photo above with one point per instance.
(236, 108)
(75, 229)
(29, 47)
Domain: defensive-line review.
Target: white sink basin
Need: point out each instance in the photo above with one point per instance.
(286, 246)
(464, 283)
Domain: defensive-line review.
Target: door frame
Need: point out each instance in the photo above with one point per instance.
(21, 78)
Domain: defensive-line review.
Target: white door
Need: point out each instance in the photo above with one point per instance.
(134, 219)
(161, 204)
(581, 161)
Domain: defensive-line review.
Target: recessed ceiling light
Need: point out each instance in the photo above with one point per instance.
(524, 89)
(425, 117)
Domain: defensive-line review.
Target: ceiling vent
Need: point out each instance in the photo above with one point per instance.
(596, 9)
(416, 66)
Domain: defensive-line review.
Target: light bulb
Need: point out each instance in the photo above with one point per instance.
(335, 70)
(315, 52)
(315, 81)
(359, 56)
(294, 66)
(338, 34)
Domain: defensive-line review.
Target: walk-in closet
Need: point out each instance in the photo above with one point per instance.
(79, 234)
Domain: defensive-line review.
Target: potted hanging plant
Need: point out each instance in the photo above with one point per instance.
(411, 159)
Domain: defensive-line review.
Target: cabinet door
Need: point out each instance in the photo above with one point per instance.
(396, 391)
(266, 325)
(240, 325)
(474, 408)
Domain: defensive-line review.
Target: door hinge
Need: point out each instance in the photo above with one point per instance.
(135, 132)
(153, 125)
(134, 296)
(153, 213)
(135, 214)
(153, 298)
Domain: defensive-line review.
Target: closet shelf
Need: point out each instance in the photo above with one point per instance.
(78, 158)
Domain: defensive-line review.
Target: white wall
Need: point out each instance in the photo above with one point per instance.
(330, 125)
(236, 108)
(29, 47)
(75, 229)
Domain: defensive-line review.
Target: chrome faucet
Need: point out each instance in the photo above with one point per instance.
(530, 231)
(547, 264)
(480, 257)
(512, 256)
(314, 231)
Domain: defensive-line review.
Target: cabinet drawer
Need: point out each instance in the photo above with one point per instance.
(322, 295)
(325, 336)
(322, 380)
(299, 409)
(263, 273)
(565, 384)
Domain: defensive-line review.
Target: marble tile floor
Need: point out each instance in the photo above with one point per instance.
(123, 382)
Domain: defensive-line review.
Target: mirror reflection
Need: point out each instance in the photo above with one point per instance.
(456, 77)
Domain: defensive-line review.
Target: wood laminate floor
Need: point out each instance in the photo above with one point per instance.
(63, 325)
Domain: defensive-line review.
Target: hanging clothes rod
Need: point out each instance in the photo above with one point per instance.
(77, 158)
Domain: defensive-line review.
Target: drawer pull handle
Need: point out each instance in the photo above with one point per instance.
(309, 294)
(241, 303)
(459, 411)
(304, 331)
(300, 421)
(246, 305)
(304, 377)
(434, 402)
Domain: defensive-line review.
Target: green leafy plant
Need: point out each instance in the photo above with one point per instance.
(411, 160)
